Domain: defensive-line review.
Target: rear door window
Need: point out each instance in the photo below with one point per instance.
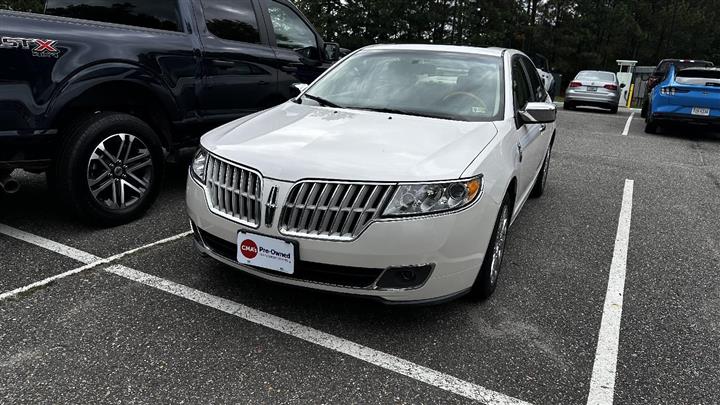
(234, 20)
(158, 14)
(520, 86)
(538, 89)
(290, 30)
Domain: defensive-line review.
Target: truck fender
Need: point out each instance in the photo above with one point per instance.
(120, 75)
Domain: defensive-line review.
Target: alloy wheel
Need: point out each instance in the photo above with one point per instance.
(546, 165)
(499, 248)
(120, 171)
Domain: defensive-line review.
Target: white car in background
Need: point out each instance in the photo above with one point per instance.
(395, 175)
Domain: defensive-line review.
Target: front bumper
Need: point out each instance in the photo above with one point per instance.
(453, 245)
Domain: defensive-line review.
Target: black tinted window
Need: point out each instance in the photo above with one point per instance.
(290, 30)
(521, 89)
(538, 89)
(160, 14)
(232, 19)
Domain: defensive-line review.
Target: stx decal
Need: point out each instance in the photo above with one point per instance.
(42, 48)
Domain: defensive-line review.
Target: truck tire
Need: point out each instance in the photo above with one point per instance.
(109, 168)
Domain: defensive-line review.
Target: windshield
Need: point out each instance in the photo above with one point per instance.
(435, 84)
(597, 76)
(679, 65)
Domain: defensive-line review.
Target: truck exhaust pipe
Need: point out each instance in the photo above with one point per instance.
(8, 184)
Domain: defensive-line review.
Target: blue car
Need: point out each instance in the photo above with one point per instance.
(687, 96)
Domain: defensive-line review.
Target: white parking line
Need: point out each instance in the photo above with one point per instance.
(83, 257)
(384, 360)
(602, 382)
(48, 244)
(627, 124)
(326, 340)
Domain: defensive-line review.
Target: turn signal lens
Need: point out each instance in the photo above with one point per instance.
(421, 199)
(198, 165)
(575, 84)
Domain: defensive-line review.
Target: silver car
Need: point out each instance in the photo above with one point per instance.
(594, 88)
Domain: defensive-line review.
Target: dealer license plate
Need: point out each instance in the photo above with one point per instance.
(701, 111)
(265, 252)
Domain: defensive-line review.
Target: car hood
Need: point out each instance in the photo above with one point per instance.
(292, 142)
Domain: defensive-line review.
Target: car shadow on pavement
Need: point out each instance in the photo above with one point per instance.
(690, 132)
(36, 204)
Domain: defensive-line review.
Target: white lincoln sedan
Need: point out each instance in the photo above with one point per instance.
(395, 175)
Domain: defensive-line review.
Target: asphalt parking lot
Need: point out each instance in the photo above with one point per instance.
(163, 324)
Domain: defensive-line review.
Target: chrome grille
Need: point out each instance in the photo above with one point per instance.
(233, 191)
(332, 210)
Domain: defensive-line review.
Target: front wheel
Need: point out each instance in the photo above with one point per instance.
(487, 278)
(109, 169)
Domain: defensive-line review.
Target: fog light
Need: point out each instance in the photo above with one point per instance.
(404, 277)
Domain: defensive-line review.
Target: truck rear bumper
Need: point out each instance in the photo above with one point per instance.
(32, 150)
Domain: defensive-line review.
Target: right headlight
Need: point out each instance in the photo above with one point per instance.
(198, 165)
(423, 199)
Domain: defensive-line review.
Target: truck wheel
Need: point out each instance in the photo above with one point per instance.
(109, 168)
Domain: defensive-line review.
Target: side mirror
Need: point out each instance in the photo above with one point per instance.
(297, 88)
(622, 85)
(332, 51)
(538, 113)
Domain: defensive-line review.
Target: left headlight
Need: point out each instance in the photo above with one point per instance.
(198, 165)
(423, 199)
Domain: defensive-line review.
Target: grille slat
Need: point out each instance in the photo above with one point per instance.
(233, 191)
(336, 211)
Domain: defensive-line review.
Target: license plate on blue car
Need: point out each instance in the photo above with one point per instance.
(701, 111)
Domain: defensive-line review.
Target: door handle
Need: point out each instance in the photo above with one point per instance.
(289, 69)
(263, 82)
(519, 147)
(543, 127)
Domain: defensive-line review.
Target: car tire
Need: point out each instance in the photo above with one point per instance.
(109, 168)
(487, 278)
(614, 109)
(568, 106)
(643, 110)
(651, 126)
(541, 180)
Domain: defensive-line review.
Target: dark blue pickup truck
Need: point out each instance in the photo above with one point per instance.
(97, 93)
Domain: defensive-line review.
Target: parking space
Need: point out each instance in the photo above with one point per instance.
(99, 337)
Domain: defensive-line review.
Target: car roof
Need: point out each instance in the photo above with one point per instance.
(441, 48)
(685, 60)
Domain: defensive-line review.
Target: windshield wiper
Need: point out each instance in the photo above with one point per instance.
(322, 101)
(414, 113)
